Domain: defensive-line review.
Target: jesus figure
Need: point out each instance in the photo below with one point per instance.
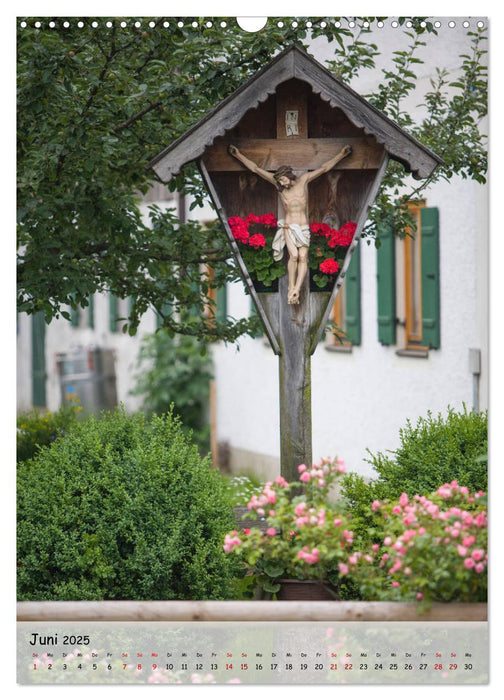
(294, 230)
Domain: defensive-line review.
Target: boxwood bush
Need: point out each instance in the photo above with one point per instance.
(436, 450)
(122, 508)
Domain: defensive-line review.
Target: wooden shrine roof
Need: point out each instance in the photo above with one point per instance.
(293, 62)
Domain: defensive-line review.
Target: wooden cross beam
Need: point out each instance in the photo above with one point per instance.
(301, 154)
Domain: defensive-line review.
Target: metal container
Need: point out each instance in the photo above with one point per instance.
(88, 375)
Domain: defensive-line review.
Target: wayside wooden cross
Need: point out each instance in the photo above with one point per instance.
(295, 113)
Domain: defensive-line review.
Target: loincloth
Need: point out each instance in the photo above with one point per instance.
(299, 235)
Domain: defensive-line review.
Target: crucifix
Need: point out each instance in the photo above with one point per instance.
(294, 111)
(293, 231)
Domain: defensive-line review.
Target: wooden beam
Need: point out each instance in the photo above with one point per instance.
(301, 153)
(237, 610)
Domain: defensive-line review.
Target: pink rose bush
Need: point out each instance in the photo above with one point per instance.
(434, 549)
(305, 534)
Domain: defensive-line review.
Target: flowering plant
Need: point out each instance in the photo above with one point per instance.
(434, 549)
(305, 536)
(254, 236)
(328, 249)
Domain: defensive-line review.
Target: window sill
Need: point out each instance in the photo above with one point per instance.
(339, 347)
(413, 352)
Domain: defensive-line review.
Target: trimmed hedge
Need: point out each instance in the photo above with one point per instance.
(434, 451)
(122, 508)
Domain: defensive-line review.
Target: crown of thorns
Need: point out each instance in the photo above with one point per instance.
(283, 170)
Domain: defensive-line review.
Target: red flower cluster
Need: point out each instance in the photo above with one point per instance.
(241, 233)
(335, 237)
(257, 241)
(329, 266)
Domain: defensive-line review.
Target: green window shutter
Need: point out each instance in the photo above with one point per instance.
(353, 300)
(386, 288)
(38, 360)
(113, 313)
(91, 310)
(221, 304)
(74, 316)
(431, 335)
(253, 313)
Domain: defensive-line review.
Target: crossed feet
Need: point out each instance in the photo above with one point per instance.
(293, 297)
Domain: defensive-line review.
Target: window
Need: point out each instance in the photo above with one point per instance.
(119, 310)
(83, 317)
(346, 312)
(408, 286)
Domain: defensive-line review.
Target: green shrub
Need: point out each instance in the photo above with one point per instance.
(431, 453)
(35, 430)
(176, 371)
(122, 508)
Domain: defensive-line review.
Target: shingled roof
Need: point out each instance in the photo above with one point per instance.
(293, 62)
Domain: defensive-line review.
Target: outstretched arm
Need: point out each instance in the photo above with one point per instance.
(253, 167)
(329, 165)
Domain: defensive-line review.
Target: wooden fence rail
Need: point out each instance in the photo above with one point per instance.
(158, 611)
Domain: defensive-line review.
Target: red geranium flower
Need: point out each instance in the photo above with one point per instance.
(257, 241)
(340, 238)
(349, 228)
(235, 221)
(329, 266)
(252, 219)
(268, 220)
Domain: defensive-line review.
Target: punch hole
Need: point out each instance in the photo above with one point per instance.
(252, 24)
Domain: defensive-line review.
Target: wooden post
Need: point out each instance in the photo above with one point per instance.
(294, 327)
(295, 383)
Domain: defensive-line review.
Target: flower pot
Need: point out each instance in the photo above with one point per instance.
(293, 589)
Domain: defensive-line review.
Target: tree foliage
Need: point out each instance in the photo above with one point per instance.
(96, 103)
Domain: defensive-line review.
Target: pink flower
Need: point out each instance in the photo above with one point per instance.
(444, 491)
(468, 541)
(300, 508)
(479, 567)
(462, 550)
(395, 584)
(403, 500)
(281, 481)
(375, 547)
(305, 476)
(419, 596)
(397, 510)
(343, 569)
(309, 557)
(337, 522)
(271, 531)
(468, 563)
(477, 554)
(230, 543)
(387, 541)
(375, 505)
(302, 468)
